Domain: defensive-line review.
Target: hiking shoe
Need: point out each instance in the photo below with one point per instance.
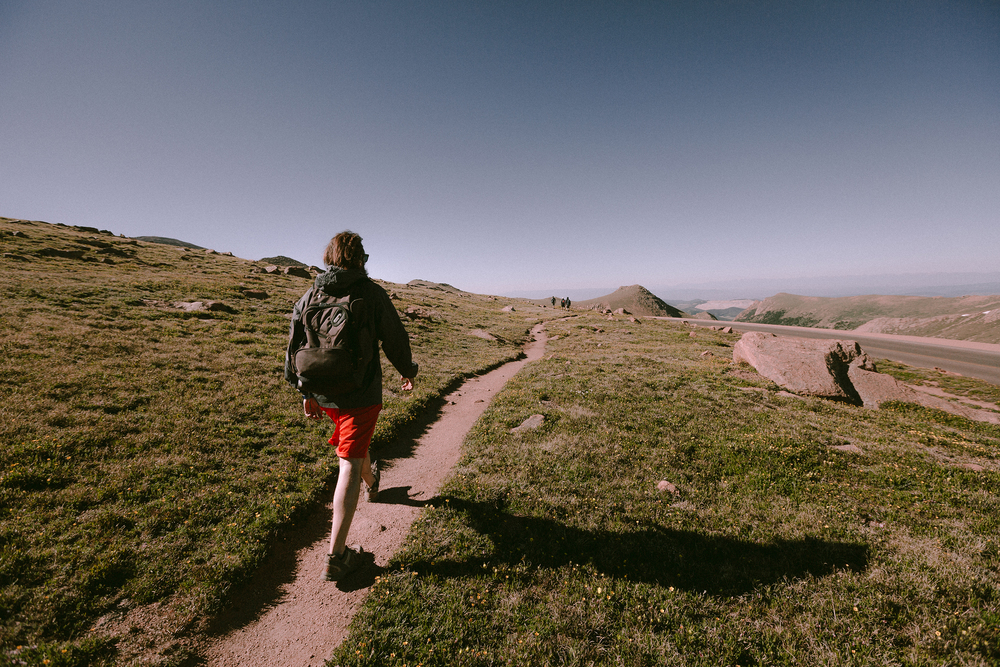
(338, 567)
(373, 489)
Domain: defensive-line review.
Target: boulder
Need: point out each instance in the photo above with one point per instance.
(622, 311)
(297, 271)
(271, 269)
(508, 309)
(805, 366)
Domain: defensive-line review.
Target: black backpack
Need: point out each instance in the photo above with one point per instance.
(338, 347)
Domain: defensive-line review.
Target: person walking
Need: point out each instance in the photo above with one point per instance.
(355, 412)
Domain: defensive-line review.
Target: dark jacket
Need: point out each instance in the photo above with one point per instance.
(383, 322)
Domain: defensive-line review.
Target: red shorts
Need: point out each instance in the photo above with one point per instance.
(355, 427)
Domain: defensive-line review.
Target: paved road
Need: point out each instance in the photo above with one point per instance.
(980, 360)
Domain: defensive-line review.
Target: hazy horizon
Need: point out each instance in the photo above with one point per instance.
(512, 147)
(929, 284)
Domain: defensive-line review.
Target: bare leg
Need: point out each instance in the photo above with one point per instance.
(345, 501)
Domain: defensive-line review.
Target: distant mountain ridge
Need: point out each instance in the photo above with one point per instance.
(168, 241)
(975, 318)
(636, 299)
(281, 260)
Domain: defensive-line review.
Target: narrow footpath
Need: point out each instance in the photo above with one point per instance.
(302, 618)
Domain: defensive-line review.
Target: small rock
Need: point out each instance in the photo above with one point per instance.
(850, 449)
(786, 394)
(508, 309)
(691, 335)
(479, 333)
(706, 353)
(666, 487)
(532, 422)
(727, 330)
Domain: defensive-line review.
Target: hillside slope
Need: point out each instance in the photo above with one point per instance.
(636, 299)
(150, 450)
(974, 318)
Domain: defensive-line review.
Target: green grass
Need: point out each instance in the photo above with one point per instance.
(556, 547)
(150, 457)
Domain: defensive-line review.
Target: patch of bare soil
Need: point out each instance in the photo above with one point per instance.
(288, 615)
(940, 393)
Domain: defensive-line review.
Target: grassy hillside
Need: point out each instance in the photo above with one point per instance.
(151, 455)
(801, 532)
(974, 318)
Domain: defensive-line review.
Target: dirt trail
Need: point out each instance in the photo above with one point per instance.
(288, 616)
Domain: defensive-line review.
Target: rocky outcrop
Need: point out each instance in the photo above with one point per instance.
(805, 366)
(298, 271)
(837, 370)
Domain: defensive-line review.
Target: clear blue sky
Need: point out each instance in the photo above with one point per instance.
(505, 146)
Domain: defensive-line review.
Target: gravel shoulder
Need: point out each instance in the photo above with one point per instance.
(287, 615)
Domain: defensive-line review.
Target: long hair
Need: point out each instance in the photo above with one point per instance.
(345, 251)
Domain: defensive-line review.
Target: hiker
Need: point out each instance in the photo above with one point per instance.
(562, 303)
(354, 411)
(568, 302)
(553, 302)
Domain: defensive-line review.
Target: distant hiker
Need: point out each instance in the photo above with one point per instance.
(553, 302)
(568, 302)
(333, 360)
(562, 303)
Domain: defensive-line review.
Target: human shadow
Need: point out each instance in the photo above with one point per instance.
(686, 559)
(399, 495)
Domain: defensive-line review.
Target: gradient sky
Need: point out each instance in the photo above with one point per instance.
(505, 146)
